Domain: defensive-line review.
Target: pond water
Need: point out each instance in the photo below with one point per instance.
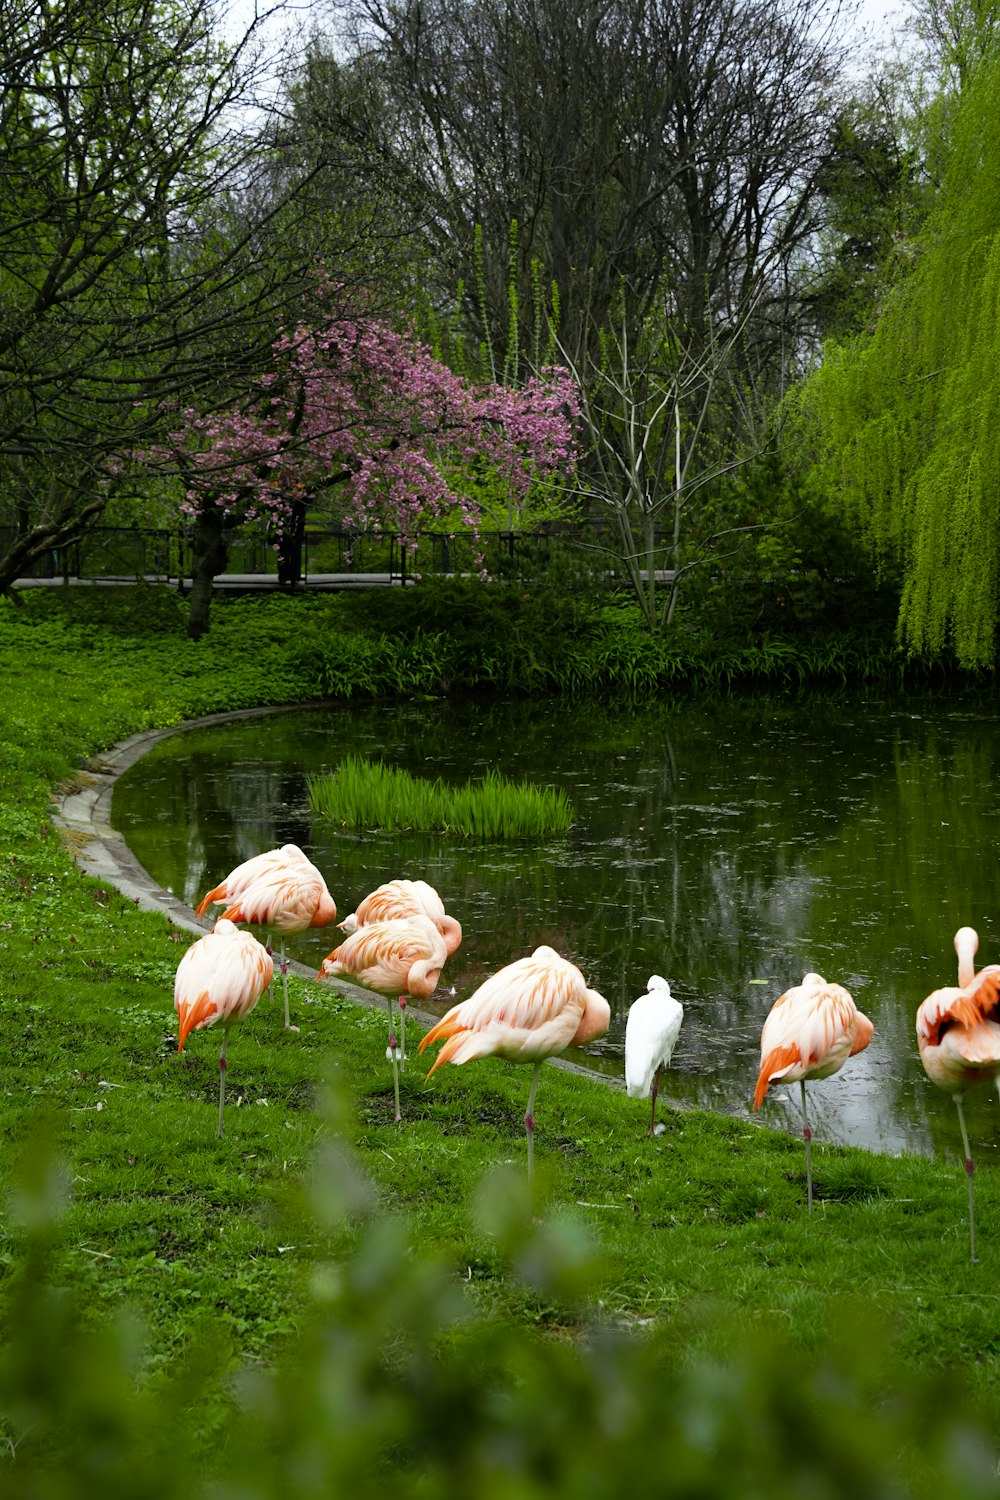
(730, 845)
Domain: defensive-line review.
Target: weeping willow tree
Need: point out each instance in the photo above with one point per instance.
(908, 414)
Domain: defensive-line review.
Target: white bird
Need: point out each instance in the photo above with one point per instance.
(651, 1032)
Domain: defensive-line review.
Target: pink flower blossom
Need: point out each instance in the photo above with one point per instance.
(355, 413)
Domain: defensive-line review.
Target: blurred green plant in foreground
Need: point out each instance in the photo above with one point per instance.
(397, 1385)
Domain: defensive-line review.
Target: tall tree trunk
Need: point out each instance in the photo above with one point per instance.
(290, 544)
(211, 553)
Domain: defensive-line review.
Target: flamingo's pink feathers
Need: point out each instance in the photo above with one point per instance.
(943, 1008)
(810, 1032)
(250, 871)
(775, 1065)
(532, 1009)
(398, 957)
(220, 978)
(957, 1026)
(405, 898)
(290, 899)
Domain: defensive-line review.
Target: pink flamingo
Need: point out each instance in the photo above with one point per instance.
(405, 898)
(249, 872)
(291, 897)
(394, 958)
(810, 1032)
(958, 1033)
(220, 978)
(528, 1011)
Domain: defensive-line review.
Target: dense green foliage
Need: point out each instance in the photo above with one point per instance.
(874, 196)
(467, 165)
(326, 1302)
(448, 636)
(366, 794)
(399, 1385)
(445, 636)
(906, 413)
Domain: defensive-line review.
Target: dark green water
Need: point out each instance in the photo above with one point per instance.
(730, 846)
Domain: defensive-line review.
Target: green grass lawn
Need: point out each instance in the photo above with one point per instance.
(391, 1276)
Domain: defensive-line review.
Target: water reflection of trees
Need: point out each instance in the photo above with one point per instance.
(720, 844)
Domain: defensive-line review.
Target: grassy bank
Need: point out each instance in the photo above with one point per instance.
(667, 1299)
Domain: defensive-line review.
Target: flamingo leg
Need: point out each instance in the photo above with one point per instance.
(222, 1079)
(395, 1064)
(654, 1091)
(968, 1173)
(529, 1118)
(402, 1031)
(283, 961)
(807, 1137)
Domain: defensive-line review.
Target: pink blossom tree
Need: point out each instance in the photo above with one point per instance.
(356, 405)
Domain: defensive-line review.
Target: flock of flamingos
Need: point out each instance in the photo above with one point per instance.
(397, 942)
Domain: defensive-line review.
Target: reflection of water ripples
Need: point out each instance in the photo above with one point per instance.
(714, 812)
(722, 845)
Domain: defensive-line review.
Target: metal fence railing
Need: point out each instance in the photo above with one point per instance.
(109, 552)
(134, 552)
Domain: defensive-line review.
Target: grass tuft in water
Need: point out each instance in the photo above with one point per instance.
(367, 794)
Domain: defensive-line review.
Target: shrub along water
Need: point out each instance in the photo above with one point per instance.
(328, 1300)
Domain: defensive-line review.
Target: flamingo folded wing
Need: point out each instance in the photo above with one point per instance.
(810, 1032)
(403, 899)
(531, 1009)
(517, 1044)
(258, 867)
(521, 995)
(201, 1011)
(778, 1062)
(392, 957)
(220, 977)
(289, 900)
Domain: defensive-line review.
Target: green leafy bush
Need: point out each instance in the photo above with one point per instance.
(398, 1384)
(796, 572)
